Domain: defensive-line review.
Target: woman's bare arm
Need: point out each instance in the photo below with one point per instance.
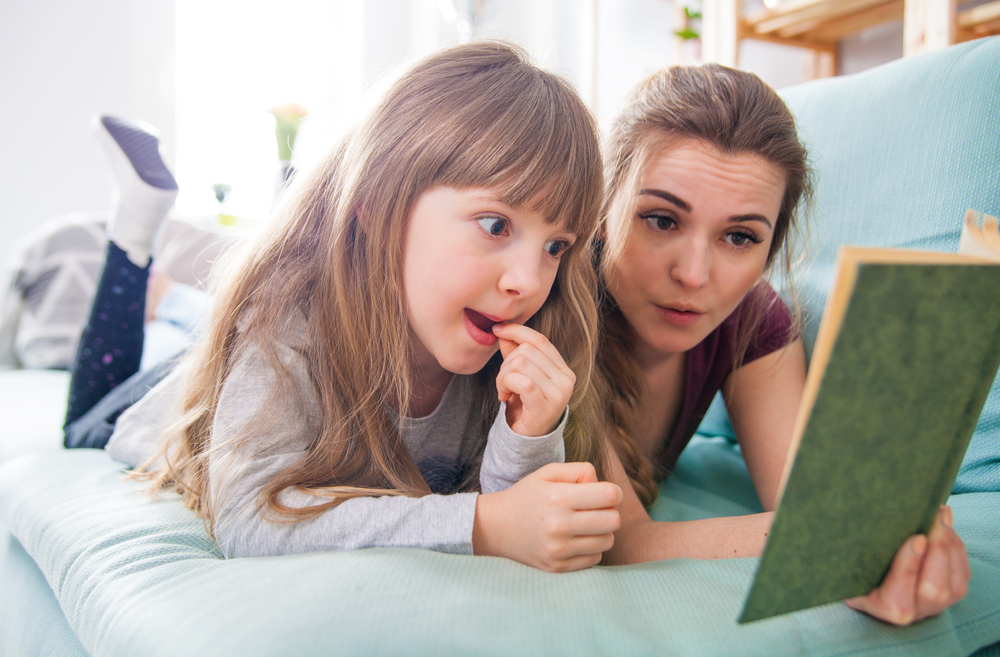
(762, 398)
(640, 539)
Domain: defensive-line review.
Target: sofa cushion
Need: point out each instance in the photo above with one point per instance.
(33, 406)
(138, 576)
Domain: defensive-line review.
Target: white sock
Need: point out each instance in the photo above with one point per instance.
(145, 188)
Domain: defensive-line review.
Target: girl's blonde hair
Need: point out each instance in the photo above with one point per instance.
(736, 113)
(475, 115)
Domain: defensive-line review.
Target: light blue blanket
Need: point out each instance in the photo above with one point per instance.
(136, 576)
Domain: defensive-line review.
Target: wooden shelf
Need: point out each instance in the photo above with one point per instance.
(980, 21)
(819, 25)
(821, 20)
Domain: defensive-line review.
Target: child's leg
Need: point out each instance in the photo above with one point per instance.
(94, 428)
(111, 346)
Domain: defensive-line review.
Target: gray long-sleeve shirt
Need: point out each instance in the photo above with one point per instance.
(239, 469)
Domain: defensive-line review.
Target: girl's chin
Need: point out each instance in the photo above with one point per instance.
(466, 366)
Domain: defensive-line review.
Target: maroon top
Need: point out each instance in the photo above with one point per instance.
(711, 361)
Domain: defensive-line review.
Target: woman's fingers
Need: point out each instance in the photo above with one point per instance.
(961, 572)
(894, 599)
(934, 589)
(928, 575)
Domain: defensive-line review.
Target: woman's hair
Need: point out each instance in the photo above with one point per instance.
(475, 115)
(737, 114)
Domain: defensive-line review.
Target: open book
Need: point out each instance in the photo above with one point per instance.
(907, 350)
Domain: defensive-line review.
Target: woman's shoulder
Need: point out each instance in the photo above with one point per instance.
(767, 317)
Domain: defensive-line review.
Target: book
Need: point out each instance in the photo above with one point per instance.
(906, 353)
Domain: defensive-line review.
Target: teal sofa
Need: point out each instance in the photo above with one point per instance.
(91, 565)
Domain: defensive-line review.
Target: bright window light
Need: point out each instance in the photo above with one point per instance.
(235, 60)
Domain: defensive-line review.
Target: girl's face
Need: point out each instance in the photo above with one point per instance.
(470, 261)
(698, 242)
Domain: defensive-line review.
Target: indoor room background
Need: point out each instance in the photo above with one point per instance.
(205, 72)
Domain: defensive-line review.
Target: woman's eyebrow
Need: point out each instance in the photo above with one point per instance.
(667, 196)
(740, 218)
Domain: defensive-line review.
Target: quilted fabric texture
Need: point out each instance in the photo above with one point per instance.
(136, 576)
(32, 622)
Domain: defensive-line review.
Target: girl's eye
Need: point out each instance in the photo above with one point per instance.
(743, 240)
(659, 222)
(556, 248)
(494, 226)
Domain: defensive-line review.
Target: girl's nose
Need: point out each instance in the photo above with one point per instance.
(522, 277)
(692, 265)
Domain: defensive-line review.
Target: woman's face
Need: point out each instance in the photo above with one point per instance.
(697, 243)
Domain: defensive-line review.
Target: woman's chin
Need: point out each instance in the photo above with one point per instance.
(674, 340)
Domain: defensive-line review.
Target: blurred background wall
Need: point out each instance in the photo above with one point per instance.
(204, 72)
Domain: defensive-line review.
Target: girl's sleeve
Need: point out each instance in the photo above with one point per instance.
(509, 457)
(247, 455)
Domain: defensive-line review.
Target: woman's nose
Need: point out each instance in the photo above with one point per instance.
(692, 264)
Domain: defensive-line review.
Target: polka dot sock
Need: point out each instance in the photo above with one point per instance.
(111, 345)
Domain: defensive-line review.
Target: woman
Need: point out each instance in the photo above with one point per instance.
(704, 174)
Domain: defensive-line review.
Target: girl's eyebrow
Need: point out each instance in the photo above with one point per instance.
(667, 196)
(491, 198)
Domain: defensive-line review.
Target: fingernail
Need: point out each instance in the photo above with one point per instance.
(498, 326)
(919, 544)
(947, 517)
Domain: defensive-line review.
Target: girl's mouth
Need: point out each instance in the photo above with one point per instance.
(480, 327)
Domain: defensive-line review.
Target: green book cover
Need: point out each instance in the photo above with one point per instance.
(897, 402)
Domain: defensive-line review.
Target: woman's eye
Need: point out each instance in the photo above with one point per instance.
(741, 239)
(556, 248)
(660, 221)
(494, 226)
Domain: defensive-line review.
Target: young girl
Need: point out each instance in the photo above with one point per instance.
(704, 174)
(349, 392)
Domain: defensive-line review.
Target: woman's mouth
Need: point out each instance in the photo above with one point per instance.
(480, 327)
(679, 317)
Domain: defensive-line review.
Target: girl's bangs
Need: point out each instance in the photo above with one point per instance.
(542, 145)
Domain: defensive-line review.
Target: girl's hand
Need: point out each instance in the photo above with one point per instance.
(559, 518)
(928, 575)
(534, 380)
